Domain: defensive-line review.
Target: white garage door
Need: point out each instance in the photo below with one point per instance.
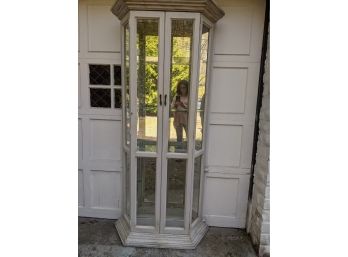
(99, 121)
(232, 104)
(233, 95)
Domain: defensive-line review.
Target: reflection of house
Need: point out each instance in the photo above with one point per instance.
(236, 64)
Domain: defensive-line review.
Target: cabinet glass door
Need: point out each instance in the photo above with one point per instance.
(180, 73)
(178, 122)
(163, 119)
(148, 117)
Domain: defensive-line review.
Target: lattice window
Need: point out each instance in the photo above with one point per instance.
(99, 74)
(117, 75)
(100, 97)
(118, 98)
(105, 86)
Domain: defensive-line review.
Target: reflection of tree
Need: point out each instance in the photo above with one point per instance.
(181, 60)
(180, 69)
(203, 59)
(147, 45)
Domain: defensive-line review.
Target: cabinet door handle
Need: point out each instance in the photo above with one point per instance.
(160, 99)
(165, 99)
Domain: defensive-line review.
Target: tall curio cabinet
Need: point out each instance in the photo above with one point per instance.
(165, 58)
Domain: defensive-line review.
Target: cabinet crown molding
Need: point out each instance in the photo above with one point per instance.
(206, 7)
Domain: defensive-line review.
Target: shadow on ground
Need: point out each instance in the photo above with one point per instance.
(99, 238)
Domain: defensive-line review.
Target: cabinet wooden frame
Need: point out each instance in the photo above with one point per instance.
(160, 235)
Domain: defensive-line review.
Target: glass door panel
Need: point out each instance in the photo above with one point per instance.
(176, 183)
(181, 55)
(146, 188)
(147, 81)
(148, 115)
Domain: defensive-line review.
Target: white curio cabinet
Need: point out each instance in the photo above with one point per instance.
(166, 48)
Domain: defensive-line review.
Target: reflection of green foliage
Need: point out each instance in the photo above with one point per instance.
(151, 75)
(180, 69)
(151, 72)
(180, 61)
(151, 48)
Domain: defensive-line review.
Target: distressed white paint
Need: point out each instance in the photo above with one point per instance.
(232, 103)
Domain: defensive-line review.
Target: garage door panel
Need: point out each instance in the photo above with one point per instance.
(103, 29)
(105, 140)
(238, 22)
(224, 145)
(224, 200)
(105, 189)
(229, 92)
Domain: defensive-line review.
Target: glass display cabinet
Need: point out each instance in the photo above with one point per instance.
(166, 49)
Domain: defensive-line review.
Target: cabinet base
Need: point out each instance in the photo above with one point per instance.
(175, 241)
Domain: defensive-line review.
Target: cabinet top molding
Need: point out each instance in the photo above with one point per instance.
(207, 7)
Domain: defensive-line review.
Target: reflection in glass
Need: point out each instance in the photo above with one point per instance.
(196, 187)
(146, 185)
(181, 42)
(202, 88)
(127, 91)
(147, 71)
(127, 186)
(176, 180)
(179, 107)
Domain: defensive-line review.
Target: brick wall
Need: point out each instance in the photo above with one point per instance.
(259, 213)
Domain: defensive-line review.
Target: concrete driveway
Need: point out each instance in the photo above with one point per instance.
(99, 238)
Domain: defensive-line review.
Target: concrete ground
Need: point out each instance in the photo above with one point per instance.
(99, 238)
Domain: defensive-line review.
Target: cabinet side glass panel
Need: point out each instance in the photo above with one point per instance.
(127, 112)
(196, 187)
(201, 96)
(127, 183)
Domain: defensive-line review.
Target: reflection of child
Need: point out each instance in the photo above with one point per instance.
(180, 104)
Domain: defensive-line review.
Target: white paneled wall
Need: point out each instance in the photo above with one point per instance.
(232, 103)
(99, 128)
